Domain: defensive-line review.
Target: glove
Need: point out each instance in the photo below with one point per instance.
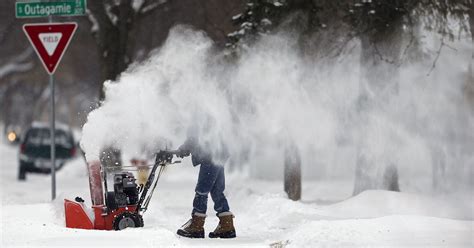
(164, 156)
(182, 153)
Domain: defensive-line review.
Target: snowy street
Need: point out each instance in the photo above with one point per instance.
(264, 216)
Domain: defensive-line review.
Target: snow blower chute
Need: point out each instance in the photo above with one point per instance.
(118, 209)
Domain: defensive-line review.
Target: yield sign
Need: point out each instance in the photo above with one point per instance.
(50, 40)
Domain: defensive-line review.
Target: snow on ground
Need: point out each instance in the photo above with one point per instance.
(327, 216)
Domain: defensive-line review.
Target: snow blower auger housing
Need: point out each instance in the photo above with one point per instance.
(118, 209)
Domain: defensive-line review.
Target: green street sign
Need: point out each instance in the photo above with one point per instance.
(40, 8)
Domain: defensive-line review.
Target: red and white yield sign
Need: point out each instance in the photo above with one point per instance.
(50, 40)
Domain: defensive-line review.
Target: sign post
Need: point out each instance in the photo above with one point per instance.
(50, 40)
(52, 131)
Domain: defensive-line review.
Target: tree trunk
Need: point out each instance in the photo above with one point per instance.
(292, 172)
(380, 59)
(471, 64)
(470, 83)
(438, 158)
(114, 53)
(112, 38)
(471, 26)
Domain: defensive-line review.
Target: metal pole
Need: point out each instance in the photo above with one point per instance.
(53, 134)
(53, 140)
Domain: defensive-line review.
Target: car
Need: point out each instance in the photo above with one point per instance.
(35, 149)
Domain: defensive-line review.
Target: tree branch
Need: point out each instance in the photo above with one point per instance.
(7, 30)
(438, 53)
(21, 63)
(150, 5)
(96, 11)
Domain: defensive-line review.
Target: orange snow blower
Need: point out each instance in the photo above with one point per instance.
(118, 209)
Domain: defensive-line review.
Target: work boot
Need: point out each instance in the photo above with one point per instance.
(225, 229)
(194, 228)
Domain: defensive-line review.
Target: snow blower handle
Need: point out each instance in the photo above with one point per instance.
(166, 157)
(162, 159)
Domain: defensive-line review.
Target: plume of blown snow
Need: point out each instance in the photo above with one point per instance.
(272, 96)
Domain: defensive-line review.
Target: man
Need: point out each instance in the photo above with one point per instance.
(211, 180)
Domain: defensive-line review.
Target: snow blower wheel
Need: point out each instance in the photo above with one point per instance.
(127, 219)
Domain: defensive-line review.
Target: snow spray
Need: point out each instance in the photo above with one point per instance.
(271, 95)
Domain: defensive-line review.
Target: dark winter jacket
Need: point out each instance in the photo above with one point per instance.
(201, 154)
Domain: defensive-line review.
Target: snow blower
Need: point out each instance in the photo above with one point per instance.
(118, 209)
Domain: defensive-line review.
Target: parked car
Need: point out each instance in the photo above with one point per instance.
(35, 149)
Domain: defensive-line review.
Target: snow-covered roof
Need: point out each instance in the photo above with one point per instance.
(58, 125)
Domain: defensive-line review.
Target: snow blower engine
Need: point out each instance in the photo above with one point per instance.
(118, 209)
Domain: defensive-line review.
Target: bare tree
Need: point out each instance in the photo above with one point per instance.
(113, 23)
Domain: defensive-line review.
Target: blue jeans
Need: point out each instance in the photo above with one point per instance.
(211, 180)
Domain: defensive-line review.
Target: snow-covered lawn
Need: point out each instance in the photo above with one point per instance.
(326, 217)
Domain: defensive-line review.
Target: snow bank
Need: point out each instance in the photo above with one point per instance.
(36, 225)
(391, 231)
(372, 218)
(377, 203)
(261, 219)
